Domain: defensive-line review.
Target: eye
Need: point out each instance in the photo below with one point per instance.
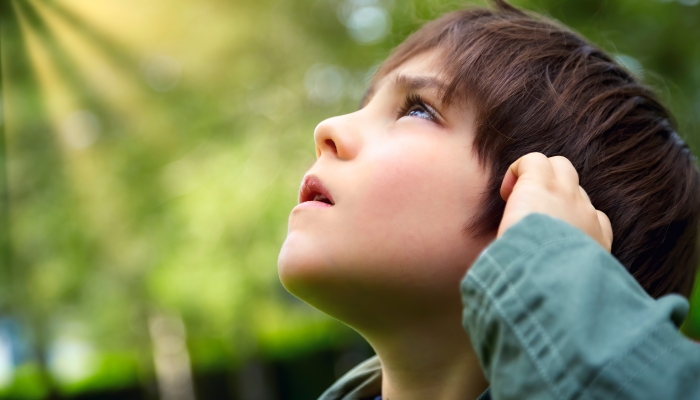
(414, 106)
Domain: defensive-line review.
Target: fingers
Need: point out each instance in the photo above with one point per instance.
(584, 194)
(535, 165)
(538, 167)
(606, 228)
(508, 184)
(535, 183)
(565, 171)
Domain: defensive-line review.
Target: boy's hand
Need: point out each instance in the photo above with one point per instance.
(537, 184)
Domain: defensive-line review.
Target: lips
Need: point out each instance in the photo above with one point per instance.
(313, 190)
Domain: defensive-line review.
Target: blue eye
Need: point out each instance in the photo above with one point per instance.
(420, 113)
(414, 106)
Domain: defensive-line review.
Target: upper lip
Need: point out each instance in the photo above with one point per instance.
(311, 186)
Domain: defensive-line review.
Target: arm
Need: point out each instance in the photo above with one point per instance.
(552, 314)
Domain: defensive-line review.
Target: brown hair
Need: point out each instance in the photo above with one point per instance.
(537, 87)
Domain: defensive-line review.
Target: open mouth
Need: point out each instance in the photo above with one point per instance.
(313, 190)
(321, 198)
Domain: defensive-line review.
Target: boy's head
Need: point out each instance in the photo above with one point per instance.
(414, 175)
(396, 184)
(536, 86)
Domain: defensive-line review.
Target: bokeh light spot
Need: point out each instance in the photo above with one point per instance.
(6, 366)
(162, 72)
(367, 21)
(71, 359)
(80, 129)
(325, 84)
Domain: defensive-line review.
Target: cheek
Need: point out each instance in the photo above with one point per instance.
(417, 207)
(398, 228)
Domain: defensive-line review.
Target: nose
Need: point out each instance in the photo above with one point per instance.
(337, 137)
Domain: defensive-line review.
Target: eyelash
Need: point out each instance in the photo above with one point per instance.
(411, 101)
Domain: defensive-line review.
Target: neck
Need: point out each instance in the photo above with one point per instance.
(435, 360)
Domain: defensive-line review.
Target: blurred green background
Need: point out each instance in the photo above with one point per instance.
(151, 151)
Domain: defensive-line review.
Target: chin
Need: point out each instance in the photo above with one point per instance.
(300, 265)
(306, 269)
(362, 291)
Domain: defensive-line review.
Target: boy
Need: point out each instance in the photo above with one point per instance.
(472, 132)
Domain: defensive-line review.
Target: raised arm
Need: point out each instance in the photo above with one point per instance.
(553, 315)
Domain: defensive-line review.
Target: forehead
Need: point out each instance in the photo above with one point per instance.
(428, 62)
(418, 72)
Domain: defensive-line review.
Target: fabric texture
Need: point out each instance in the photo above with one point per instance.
(552, 315)
(364, 382)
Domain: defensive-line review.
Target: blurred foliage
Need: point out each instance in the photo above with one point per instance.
(152, 151)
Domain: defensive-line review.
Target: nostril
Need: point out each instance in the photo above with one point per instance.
(331, 145)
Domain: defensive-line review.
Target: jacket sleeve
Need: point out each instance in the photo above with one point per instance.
(552, 315)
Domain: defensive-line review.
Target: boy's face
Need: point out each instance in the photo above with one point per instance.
(405, 183)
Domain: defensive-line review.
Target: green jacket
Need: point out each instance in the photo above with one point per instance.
(552, 315)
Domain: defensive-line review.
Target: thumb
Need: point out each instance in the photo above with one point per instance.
(606, 228)
(509, 181)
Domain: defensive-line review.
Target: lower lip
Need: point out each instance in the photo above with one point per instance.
(313, 204)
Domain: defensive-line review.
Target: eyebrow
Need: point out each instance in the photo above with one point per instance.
(407, 83)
